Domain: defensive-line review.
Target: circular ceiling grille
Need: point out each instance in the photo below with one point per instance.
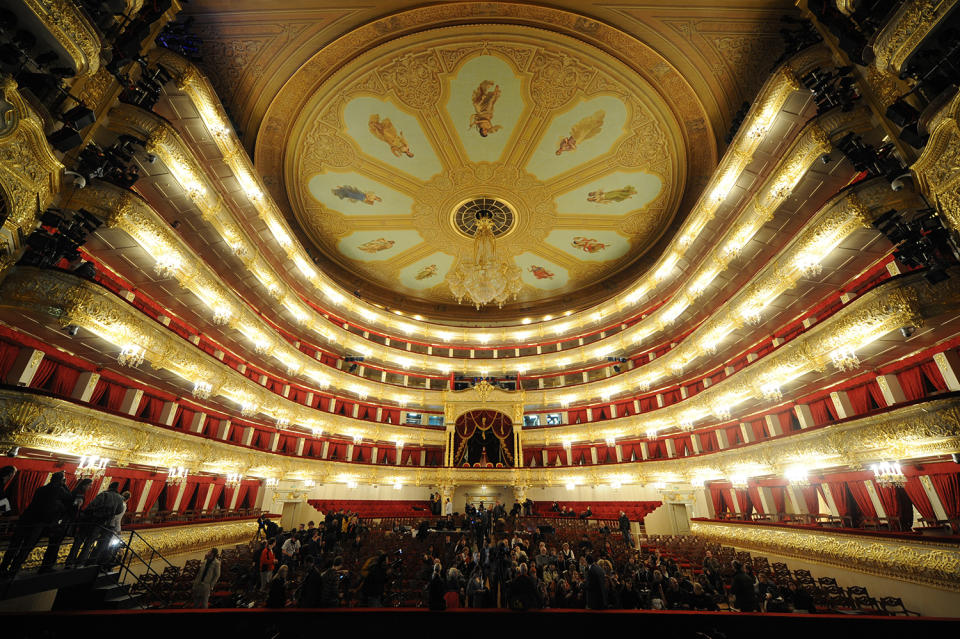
(465, 218)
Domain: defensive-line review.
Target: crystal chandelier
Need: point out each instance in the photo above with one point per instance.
(487, 279)
(91, 466)
(889, 474)
(177, 475)
(233, 480)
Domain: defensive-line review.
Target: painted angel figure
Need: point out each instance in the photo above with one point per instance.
(347, 192)
(483, 100)
(384, 130)
(582, 131)
(616, 195)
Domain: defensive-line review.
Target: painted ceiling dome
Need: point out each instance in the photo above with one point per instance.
(578, 157)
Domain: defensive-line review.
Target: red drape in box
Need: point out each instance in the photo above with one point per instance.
(779, 498)
(64, 380)
(862, 496)
(838, 490)
(153, 493)
(743, 499)
(136, 488)
(44, 373)
(810, 499)
(948, 490)
(876, 394)
(918, 496)
(716, 496)
(23, 485)
(911, 380)
(8, 355)
(242, 492)
(754, 492)
(252, 491)
(888, 499)
(932, 372)
(228, 492)
(170, 496)
(859, 399)
(187, 495)
(216, 489)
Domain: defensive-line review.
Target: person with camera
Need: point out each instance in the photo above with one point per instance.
(330, 584)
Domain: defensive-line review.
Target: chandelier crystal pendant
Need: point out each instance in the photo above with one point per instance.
(488, 278)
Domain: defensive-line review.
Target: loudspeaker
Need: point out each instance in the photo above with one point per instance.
(79, 117)
(65, 139)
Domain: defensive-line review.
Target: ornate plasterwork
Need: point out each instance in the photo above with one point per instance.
(483, 396)
(926, 563)
(29, 171)
(901, 35)
(938, 169)
(61, 427)
(64, 20)
(904, 302)
(166, 247)
(278, 129)
(417, 83)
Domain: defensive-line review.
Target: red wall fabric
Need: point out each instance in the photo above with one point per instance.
(918, 496)
(888, 498)
(862, 497)
(743, 499)
(948, 490)
(23, 485)
(911, 380)
(153, 494)
(932, 372)
(754, 492)
(64, 379)
(44, 373)
(838, 489)
(717, 496)
(810, 499)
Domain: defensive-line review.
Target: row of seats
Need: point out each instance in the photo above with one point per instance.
(374, 507)
(635, 510)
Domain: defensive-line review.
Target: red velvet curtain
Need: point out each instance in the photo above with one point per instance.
(44, 373)
(187, 495)
(228, 492)
(136, 488)
(98, 391)
(8, 355)
(859, 399)
(810, 499)
(862, 497)
(717, 497)
(252, 491)
(876, 394)
(821, 415)
(932, 372)
(64, 380)
(153, 493)
(743, 499)
(948, 490)
(24, 484)
(911, 380)
(170, 496)
(216, 489)
(888, 499)
(838, 490)
(918, 496)
(754, 492)
(241, 494)
(779, 498)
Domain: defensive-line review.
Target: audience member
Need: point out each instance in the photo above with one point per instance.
(207, 577)
(50, 504)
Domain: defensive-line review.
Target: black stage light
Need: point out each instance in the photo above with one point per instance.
(902, 114)
(64, 139)
(79, 117)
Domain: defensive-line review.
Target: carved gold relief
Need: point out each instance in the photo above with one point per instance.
(901, 35)
(927, 563)
(938, 169)
(64, 20)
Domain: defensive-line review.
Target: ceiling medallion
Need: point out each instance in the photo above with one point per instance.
(502, 217)
(487, 278)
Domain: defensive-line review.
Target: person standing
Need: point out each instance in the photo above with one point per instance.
(448, 508)
(596, 587)
(50, 504)
(330, 584)
(93, 519)
(290, 550)
(6, 475)
(625, 529)
(311, 590)
(66, 526)
(277, 597)
(207, 577)
(110, 534)
(268, 561)
(742, 589)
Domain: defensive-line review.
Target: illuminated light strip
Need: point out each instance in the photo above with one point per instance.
(767, 106)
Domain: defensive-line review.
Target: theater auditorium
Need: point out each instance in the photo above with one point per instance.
(377, 314)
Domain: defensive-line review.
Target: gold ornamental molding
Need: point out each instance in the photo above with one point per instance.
(73, 301)
(177, 260)
(29, 171)
(925, 563)
(63, 428)
(908, 301)
(904, 32)
(938, 169)
(196, 86)
(172, 540)
(65, 22)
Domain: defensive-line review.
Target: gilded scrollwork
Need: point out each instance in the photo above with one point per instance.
(67, 23)
(901, 35)
(938, 169)
(927, 563)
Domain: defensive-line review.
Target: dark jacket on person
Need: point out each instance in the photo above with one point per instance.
(104, 507)
(523, 594)
(311, 590)
(330, 591)
(51, 503)
(277, 595)
(742, 589)
(596, 588)
(436, 590)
